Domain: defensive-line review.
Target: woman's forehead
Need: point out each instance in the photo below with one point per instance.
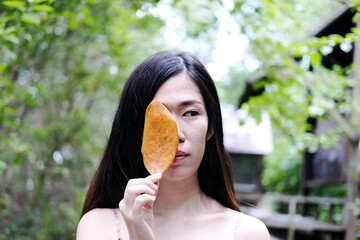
(180, 88)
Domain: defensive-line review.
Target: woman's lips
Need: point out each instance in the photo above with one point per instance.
(180, 156)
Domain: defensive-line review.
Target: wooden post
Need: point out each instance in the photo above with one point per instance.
(331, 213)
(351, 191)
(352, 153)
(292, 213)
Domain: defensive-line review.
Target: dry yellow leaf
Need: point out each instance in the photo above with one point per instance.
(160, 138)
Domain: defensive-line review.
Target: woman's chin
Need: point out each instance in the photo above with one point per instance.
(177, 173)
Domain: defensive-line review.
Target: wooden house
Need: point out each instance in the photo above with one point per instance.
(324, 167)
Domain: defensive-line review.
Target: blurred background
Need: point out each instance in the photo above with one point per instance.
(287, 73)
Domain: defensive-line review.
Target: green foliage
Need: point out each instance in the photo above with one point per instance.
(230, 89)
(198, 15)
(62, 64)
(282, 174)
(296, 90)
(297, 87)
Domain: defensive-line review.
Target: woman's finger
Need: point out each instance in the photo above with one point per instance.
(143, 201)
(140, 189)
(136, 187)
(150, 181)
(133, 191)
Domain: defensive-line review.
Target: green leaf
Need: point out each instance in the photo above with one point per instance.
(5, 153)
(18, 159)
(43, 8)
(10, 30)
(10, 50)
(29, 100)
(356, 2)
(336, 38)
(4, 203)
(315, 59)
(356, 31)
(32, 18)
(4, 82)
(10, 111)
(63, 171)
(356, 17)
(39, 1)
(12, 39)
(259, 85)
(20, 5)
(350, 36)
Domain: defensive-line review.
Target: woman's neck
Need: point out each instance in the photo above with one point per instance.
(179, 197)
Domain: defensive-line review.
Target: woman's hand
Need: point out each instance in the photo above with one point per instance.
(137, 206)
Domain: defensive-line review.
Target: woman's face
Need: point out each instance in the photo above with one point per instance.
(183, 99)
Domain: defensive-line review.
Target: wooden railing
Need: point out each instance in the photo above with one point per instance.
(296, 215)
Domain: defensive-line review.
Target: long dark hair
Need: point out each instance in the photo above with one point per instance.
(122, 159)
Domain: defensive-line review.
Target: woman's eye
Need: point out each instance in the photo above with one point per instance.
(191, 114)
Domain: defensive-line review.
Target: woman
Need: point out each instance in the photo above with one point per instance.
(194, 198)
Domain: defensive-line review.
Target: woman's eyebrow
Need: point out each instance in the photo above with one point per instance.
(189, 102)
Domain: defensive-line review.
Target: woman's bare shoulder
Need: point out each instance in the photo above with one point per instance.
(96, 224)
(251, 228)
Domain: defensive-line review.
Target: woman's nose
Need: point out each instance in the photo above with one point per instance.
(180, 133)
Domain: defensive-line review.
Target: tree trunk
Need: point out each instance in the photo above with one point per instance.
(352, 153)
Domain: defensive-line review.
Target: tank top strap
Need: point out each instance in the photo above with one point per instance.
(237, 226)
(117, 223)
